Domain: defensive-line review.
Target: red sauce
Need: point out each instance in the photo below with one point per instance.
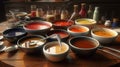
(38, 25)
(62, 34)
(84, 43)
(63, 23)
(77, 29)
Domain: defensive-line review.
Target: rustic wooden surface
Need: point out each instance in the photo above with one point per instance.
(20, 59)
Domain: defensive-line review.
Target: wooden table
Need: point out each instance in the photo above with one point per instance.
(20, 59)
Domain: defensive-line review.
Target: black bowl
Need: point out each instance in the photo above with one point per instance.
(88, 45)
(64, 35)
(13, 34)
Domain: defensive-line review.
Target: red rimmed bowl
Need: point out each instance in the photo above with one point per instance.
(62, 24)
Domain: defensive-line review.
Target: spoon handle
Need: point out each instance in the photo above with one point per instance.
(110, 53)
(59, 40)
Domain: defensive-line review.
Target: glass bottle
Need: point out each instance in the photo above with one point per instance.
(75, 13)
(57, 14)
(64, 14)
(39, 12)
(90, 12)
(83, 12)
(50, 16)
(33, 10)
(96, 14)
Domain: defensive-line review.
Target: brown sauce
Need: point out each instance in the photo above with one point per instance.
(84, 44)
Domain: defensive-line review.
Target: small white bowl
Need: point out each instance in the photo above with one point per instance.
(77, 30)
(52, 56)
(85, 22)
(104, 39)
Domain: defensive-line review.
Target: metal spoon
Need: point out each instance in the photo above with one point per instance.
(59, 41)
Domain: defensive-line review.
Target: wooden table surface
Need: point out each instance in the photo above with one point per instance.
(20, 59)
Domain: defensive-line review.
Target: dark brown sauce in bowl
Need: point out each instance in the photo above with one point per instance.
(83, 45)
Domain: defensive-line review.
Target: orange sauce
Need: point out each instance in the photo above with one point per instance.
(78, 29)
(84, 43)
(103, 33)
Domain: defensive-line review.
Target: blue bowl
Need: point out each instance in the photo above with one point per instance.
(13, 34)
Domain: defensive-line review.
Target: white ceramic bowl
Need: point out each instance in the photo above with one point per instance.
(43, 27)
(78, 30)
(51, 55)
(85, 22)
(104, 39)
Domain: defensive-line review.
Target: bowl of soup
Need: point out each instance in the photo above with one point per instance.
(85, 22)
(104, 35)
(62, 24)
(83, 45)
(64, 35)
(54, 52)
(38, 27)
(78, 30)
(13, 34)
(31, 44)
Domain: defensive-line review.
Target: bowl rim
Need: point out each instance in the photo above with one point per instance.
(94, 40)
(4, 32)
(39, 36)
(50, 43)
(61, 30)
(24, 26)
(93, 21)
(92, 32)
(68, 29)
(62, 20)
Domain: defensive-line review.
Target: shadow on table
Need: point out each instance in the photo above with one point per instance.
(2, 64)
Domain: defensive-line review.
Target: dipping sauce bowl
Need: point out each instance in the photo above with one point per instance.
(64, 35)
(54, 52)
(31, 44)
(86, 46)
(38, 27)
(13, 34)
(83, 45)
(78, 30)
(104, 35)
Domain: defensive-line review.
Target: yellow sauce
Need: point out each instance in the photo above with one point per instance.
(84, 22)
(56, 49)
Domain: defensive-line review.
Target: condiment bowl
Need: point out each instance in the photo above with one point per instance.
(38, 27)
(13, 34)
(31, 44)
(85, 22)
(104, 35)
(62, 24)
(83, 45)
(64, 35)
(78, 30)
(54, 52)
